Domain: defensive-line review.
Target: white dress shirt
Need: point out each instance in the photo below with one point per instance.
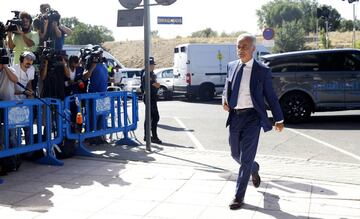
(244, 97)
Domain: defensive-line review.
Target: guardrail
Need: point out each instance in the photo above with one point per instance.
(44, 121)
(30, 116)
(101, 114)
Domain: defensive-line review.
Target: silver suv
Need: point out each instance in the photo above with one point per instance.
(315, 80)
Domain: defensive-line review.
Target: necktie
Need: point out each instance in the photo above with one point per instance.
(235, 91)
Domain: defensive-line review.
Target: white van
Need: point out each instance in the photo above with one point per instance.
(202, 68)
(75, 50)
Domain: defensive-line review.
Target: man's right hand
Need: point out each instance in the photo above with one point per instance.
(157, 85)
(226, 106)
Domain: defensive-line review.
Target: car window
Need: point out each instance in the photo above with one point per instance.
(309, 62)
(159, 75)
(168, 73)
(132, 74)
(110, 62)
(352, 62)
(284, 64)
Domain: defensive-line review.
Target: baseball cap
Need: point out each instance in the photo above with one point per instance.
(152, 61)
(28, 55)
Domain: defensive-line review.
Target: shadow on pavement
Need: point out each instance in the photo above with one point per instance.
(273, 208)
(297, 186)
(32, 188)
(172, 128)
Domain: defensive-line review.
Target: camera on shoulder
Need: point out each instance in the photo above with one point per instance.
(91, 55)
(51, 15)
(15, 23)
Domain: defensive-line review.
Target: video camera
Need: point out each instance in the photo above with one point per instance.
(93, 55)
(15, 23)
(51, 15)
(47, 52)
(4, 59)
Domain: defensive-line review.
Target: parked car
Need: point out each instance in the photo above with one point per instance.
(165, 76)
(129, 79)
(315, 80)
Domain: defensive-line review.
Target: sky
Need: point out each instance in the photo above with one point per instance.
(224, 15)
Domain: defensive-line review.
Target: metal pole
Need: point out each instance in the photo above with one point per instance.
(354, 29)
(327, 33)
(147, 73)
(317, 33)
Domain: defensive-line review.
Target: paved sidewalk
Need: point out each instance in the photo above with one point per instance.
(124, 182)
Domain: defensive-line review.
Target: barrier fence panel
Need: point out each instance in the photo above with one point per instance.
(39, 123)
(130, 123)
(98, 114)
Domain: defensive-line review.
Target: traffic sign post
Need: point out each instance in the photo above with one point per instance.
(268, 35)
(131, 4)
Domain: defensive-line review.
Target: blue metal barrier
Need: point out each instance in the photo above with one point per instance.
(30, 116)
(102, 114)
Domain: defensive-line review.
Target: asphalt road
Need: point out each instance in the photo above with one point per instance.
(328, 136)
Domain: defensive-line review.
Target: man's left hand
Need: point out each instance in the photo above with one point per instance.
(279, 126)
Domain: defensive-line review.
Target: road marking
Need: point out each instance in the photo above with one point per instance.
(325, 144)
(197, 143)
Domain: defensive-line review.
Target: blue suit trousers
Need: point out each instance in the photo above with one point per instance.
(244, 137)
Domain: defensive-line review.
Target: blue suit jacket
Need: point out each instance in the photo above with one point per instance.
(261, 89)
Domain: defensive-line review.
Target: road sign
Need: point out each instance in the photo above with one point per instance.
(169, 20)
(268, 33)
(165, 2)
(130, 18)
(130, 4)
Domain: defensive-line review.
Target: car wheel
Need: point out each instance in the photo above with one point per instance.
(296, 107)
(162, 92)
(206, 92)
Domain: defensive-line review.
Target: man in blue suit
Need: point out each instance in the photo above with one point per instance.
(247, 85)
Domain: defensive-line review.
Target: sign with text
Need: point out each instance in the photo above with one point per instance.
(169, 20)
(130, 18)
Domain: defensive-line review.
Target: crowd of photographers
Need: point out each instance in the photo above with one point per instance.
(34, 64)
(51, 72)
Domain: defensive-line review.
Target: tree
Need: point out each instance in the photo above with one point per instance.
(309, 8)
(274, 13)
(346, 25)
(327, 13)
(70, 22)
(208, 32)
(89, 34)
(289, 37)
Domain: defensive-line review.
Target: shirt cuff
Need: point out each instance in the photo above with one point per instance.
(281, 121)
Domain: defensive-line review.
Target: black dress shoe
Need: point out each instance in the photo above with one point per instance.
(256, 178)
(236, 204)
(156, 140)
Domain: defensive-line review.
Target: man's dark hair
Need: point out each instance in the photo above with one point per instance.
(73, 59)
(26, 15)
